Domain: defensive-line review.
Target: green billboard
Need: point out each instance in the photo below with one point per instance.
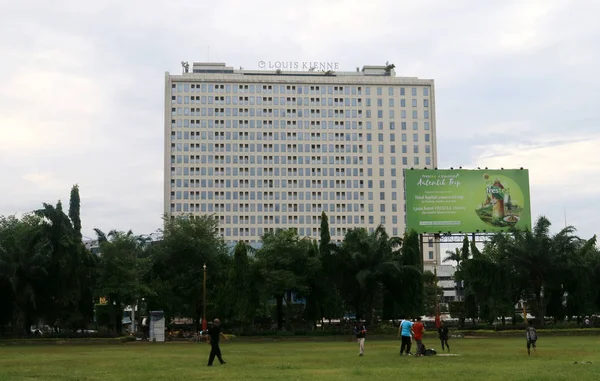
(467, 201)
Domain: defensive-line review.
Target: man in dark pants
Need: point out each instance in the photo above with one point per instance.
(405, 330)
(443, 332)
(214, 334)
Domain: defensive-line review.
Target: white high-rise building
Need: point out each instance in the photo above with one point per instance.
(268, 149)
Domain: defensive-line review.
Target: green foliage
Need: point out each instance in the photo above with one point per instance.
(106, 315)
(177, 270)
(75, 211)
(48, 277)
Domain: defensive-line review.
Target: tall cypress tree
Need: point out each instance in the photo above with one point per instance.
(75, 210)
(325, 236)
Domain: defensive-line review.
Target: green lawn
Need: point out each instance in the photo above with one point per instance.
(479, 359)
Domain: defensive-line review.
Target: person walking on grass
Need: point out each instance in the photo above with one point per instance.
(405, 331)
(443, 334)
(361, 333)
(418, 329)
(213, 337)
(531, 335)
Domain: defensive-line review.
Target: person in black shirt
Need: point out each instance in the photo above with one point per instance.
(443, 332)
(214, 334)
(361, 333)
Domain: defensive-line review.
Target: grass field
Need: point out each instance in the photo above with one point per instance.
(479, 359)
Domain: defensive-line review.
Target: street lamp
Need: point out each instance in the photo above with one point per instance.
(204, 324)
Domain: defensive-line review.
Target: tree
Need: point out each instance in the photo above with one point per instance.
(540, 259)
(412, 283)
(241, 291)
(285, 267)
(177, 269)
(67, 292)
(118, 278)
(373, 264)
(324, 298)
(22, 271)
(75, 211)
(325, 242)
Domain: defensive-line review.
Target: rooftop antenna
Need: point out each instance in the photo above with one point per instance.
(208, 53)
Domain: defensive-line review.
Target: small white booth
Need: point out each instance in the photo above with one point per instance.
(157, 326)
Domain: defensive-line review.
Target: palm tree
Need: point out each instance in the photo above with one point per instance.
(373, 262)
(23, 257)
(541, 260)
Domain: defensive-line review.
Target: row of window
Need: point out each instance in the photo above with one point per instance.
(293, 101)
(416, 160)
(290, 147)
(289, 135)
(283, 219)
(292, 172)
(295, 89)
(291, 196)
(286, 113)
(313, 125)
(295, 219)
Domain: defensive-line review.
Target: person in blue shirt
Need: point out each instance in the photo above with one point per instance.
(406, 332)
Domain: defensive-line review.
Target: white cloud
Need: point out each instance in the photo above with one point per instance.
(81, 100)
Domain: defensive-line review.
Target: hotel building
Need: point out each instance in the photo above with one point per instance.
(269, 149)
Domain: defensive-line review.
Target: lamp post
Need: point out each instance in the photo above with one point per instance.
(204, 324)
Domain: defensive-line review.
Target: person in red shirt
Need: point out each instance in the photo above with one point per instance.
(418, 329)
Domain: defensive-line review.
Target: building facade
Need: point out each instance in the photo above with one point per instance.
(265, 149)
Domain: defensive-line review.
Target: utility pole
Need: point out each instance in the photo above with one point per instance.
(204, 323)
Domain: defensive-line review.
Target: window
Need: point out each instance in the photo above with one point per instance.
(414, 91)
(425, 91)
(431, 255)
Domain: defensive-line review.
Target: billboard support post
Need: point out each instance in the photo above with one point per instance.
(422, 249)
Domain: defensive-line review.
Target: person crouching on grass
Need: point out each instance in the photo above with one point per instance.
(418, 329)
(361, 333)
(531, 335)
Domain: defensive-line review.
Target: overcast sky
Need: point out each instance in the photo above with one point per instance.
(82, 87)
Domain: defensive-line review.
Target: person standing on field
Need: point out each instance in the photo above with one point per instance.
(418, 329)
(531, 335)
(361, 333)
(406, 332)
(443, 333)
(214, 334)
